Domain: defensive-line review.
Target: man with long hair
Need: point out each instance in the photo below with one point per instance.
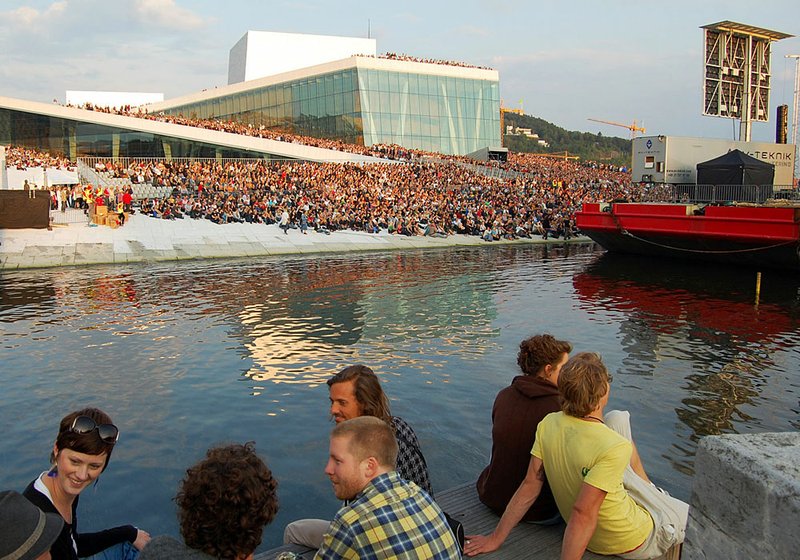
(354, 392)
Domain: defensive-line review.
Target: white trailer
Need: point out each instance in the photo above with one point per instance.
(674, 159)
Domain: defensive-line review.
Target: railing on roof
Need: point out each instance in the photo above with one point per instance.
(718, 194)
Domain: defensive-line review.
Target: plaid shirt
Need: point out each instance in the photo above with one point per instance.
(390, 518)
(411, 463)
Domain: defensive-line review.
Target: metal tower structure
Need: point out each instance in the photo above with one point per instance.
(795, 107)
(737, 73)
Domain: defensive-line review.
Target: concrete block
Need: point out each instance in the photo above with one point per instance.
(745, 498)
(47, 261)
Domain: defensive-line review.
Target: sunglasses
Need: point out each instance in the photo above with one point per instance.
(108, 433)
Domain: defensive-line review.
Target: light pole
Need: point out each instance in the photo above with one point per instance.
(796, 58)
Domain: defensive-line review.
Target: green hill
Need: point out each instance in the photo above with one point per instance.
(595, 147)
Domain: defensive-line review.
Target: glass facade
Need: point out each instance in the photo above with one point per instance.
(370, 106)
(75, 139)
(324, 106)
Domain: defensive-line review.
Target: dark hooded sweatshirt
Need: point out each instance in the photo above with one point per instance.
(517, 411)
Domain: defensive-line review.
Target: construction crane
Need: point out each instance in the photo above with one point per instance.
(555, 155)
(632, 127)
(503, 111)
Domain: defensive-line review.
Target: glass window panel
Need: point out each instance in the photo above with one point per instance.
(434, 105)
(459, 83)
(383, 80)
(406, 82)
(350, 81)
(395, 103)
(431, 85)
(330, 105)
(451, 86)
(413, 104)
(384, 103)
(393, 82)
(374, 101)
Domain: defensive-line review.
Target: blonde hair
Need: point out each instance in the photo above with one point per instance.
(369, 437)
(583, 382)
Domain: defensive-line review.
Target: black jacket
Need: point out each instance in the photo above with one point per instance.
(88, 543)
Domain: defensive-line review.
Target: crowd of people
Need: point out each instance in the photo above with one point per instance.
(410, 58)
(22, 158)
(419, 197)
(557, 457)
(410, 199)
(424, 194)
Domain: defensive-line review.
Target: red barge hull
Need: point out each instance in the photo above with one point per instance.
(758, 236)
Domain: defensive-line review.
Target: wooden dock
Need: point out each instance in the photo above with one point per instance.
(531, 542)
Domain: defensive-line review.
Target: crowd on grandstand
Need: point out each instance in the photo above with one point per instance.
(23, 158)
(428, 194)
(411, 199)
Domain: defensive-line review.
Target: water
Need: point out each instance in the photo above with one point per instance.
(185, 356)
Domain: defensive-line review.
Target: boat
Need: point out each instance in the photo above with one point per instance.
(760, 234)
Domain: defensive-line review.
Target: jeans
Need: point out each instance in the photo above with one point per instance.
(122, 551)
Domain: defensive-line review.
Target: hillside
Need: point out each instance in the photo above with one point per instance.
(596, 147)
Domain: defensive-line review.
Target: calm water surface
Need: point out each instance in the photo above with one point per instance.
(185, 356)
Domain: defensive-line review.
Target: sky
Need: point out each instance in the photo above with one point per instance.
(565, 62)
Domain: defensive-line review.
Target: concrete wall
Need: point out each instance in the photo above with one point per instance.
(745, 498)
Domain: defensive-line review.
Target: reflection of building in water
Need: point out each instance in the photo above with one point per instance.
(332, 311)
(703, 316)
(290, 338)
(453, 310)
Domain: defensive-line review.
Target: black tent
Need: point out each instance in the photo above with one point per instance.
(735, 168)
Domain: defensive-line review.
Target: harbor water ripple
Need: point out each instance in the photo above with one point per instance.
(192, 354)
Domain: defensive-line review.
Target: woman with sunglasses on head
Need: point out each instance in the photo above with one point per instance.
(80, 454)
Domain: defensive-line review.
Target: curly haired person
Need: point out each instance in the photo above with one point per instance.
(224, 502)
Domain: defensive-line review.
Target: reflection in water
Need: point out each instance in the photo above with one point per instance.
(186, 355)
(350, 314)
(707, 317)
(25, 299)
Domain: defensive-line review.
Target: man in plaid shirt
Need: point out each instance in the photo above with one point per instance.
(386, 516)
(356, 391)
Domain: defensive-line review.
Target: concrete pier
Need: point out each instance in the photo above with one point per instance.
(745, 498)
(147, 239)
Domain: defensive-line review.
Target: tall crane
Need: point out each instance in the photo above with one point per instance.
(632, 127)
(555, 155)
(503, 111)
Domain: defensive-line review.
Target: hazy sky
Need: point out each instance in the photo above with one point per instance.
(615, 60)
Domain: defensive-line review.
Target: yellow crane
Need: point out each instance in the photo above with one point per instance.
(503, 111)
(555, 155)
(632, 127)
